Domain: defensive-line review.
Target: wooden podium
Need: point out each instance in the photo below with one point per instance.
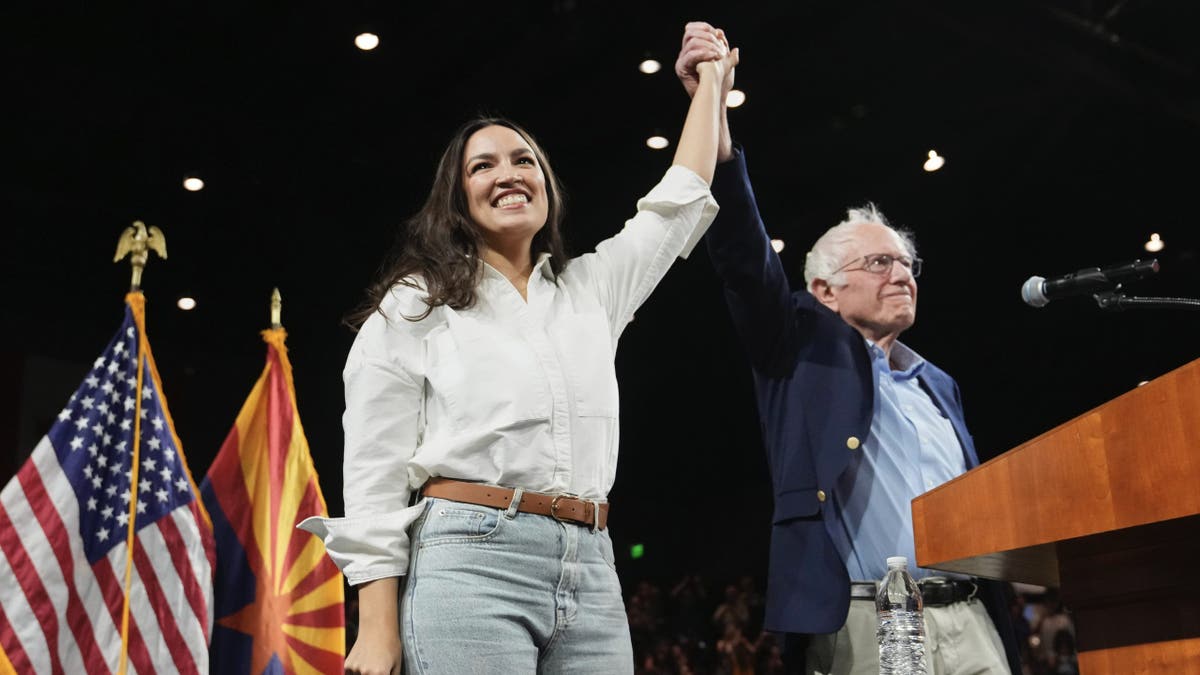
(1105, 507)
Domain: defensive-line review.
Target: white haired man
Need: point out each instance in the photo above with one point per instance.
(855, 423)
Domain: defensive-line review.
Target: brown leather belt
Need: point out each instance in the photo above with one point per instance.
(560, 507)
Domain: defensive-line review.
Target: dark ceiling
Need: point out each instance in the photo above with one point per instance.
(1071, 131)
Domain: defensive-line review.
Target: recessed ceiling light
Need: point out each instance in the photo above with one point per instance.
(777, 244)
(934, 162)
(1155, 244)
(650, 66)
(657, 142)
(193, 183)
(366, 41)
(735, 98)
(186, 303)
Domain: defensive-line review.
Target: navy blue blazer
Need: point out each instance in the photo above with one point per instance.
(816, 396)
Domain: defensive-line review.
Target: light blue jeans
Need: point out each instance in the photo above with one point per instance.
(497, 591)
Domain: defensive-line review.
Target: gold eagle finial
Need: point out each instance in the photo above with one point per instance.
(137, 243)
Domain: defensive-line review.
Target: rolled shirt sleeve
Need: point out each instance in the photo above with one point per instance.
(382, 429)
(669, 222)
(385, 384)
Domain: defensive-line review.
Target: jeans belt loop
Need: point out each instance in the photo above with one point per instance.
(595, 517)
(515, 504)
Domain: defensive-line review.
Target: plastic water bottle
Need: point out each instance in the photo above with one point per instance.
(901, 624)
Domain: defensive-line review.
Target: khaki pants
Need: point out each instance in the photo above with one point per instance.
(959, 640)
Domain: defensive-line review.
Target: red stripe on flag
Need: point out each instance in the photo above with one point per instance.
(12, 647)
(324, 661)
(114, 599)
(56, 532)
(309, 504)
(162, 610)
(320, 574)
(325, 568)
(206, 532)
(229, 487)
(183, 567)
(279, 436)
(27, 577)
(333, 616)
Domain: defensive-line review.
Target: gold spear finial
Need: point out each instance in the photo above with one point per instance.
(137, 244)
(276, 309)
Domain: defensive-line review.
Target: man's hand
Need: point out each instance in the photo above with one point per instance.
(701, 42)
(707, 47)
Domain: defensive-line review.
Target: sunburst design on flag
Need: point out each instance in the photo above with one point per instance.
(279, 597)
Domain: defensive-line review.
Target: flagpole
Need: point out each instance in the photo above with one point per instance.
(136, 243)
(274, 337)
(276, 309)
(135, 468)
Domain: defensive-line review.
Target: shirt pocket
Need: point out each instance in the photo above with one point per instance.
(585, 342)
(485, 380)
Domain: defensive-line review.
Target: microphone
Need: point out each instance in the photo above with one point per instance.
(1038, 291)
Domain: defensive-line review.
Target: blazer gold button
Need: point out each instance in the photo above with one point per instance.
(820, 495)
(852, 443)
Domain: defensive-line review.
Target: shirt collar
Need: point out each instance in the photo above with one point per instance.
(547, 270)
(908, 363)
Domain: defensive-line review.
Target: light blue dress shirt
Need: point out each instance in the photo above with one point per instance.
(911, 449)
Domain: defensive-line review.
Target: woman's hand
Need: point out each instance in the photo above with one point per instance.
(705, 138)
(377, 650)
(721, 70)
(374, 654)
(708, 46)
(703, 43)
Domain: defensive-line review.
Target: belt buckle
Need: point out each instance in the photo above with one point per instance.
(936, 591)
(554, 508)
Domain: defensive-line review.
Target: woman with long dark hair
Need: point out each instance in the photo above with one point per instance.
(482, 382)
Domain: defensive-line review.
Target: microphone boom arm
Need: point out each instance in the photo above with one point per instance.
(1117, 301)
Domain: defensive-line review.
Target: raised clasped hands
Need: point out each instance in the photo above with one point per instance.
(705, 48)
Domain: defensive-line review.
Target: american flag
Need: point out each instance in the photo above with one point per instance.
(66, 602)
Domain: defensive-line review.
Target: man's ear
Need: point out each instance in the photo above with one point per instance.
(823, 292)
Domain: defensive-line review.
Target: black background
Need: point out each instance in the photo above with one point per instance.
(1070, 128)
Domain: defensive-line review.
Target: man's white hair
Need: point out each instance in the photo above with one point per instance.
(830, 251)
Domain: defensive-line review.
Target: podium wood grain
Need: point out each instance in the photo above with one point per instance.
(1106, 507)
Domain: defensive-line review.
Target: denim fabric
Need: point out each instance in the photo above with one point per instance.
(493, 591)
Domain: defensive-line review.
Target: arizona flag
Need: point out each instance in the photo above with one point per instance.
(278, 599)
(105, 549)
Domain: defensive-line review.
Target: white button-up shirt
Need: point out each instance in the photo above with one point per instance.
(508, 392)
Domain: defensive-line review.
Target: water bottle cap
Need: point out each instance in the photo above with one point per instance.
(897, 561)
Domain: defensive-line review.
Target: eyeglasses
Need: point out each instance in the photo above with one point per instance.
(881, 263)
